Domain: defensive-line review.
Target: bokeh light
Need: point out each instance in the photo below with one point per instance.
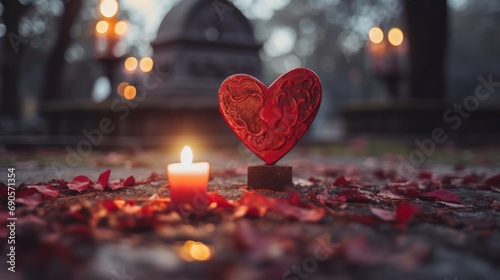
(108, 8)
(129, 92)
(121, 88)
(195, 251)
(102, 27)
(121, 27)
(131, 64)
(146, 64)
(395, 36)
(376, 35)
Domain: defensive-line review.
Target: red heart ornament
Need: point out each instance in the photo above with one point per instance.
(270, 121)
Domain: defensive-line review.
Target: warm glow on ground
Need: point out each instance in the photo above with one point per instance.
(102, 27)
(376, 35)
(195, 251)
(121, 27)
(108, 8)
(395, 36)
(121, 88)
(146, 64)
(131, 64)
(129, 92)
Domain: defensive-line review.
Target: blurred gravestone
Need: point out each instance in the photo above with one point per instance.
(199, 44)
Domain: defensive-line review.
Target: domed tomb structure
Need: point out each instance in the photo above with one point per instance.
(199, 44)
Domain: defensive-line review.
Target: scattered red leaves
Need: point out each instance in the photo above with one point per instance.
(442, 195)
(252, 204)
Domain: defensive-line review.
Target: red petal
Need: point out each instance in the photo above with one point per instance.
(129, 181)
(341, 181)
(219, 199)
(259, 204)
(117, 184)
(102, 182)
(495, 205)
(79, 183)
(405, 212)
(353, 195)
(442, 195)
(425, 175)
(384, 215)
(46, 190)
(30, 200)
(494, 181)
(110, 205)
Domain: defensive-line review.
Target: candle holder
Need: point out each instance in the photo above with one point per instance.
(270, 121)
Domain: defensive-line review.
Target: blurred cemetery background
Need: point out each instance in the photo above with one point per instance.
(146, 72)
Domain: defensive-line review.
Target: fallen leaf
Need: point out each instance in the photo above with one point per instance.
(442, 195)
(452, 205)
(341, 181)
(219, 200)
(494, 181)
(471, 179)
(258, 205)
(102, 182)
(495, 205)
(354, 195)
(425, 175)
(31, 200)
(79, 183)
(405, 212)
(46, 190)
(119, 183)
(387, 194)
(384, 215)
(410, 188)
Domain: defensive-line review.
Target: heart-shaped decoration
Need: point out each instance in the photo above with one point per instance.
(270, 121)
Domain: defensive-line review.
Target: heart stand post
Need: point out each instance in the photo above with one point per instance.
(271, 177)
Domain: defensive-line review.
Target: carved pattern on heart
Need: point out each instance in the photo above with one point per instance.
(270, 121)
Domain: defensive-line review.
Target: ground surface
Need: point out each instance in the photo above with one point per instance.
(360, 216)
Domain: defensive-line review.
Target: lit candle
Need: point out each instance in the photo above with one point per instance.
(188, 180)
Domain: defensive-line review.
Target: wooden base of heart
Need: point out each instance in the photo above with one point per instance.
(270, 177)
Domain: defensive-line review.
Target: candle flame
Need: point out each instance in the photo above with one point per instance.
(186, 155)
